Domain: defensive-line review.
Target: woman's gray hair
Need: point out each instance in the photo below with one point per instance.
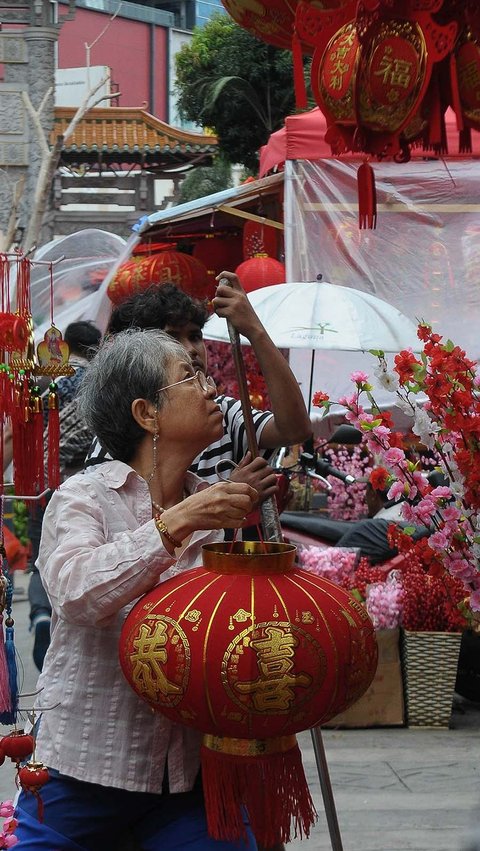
(130, 365)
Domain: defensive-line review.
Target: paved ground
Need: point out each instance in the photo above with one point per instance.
(395, 789)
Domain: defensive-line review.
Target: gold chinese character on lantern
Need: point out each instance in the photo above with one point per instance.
(147, 660)
(394, 71)
(274, 687)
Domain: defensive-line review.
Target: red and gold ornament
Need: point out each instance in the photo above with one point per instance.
(166, 267)
(250, 650)
(260, 271)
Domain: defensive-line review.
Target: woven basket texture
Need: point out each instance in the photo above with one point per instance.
(429, 661)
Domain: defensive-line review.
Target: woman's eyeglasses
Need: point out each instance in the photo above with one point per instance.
(206, 382)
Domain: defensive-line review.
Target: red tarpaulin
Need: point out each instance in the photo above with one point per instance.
(302, 138)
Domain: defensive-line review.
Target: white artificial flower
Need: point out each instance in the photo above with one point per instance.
(424, 427)
(388, 380)
(404, 406)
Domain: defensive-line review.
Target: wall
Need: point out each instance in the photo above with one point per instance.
(135, 51)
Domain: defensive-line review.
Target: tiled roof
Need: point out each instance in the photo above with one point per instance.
(129, 133)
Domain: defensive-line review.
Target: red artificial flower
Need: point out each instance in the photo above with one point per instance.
(404, 363)
(379, 478)
(319, 398)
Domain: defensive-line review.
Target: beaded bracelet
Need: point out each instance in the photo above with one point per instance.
(162, 528)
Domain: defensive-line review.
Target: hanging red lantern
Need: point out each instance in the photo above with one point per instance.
(218, 253)
(17, 745)
(32, 777)
(168, 267)
(250, 650)
(260, 271)
(259, 239)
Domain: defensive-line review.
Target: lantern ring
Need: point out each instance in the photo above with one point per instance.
(248, 557)
(249, 747)
(227, 464)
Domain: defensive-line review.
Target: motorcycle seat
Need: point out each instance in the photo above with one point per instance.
(317, 527)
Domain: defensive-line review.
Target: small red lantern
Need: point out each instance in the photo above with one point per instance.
(260, 271)
(168, 267)
(32, 777)
(250, 650)
(17, 745)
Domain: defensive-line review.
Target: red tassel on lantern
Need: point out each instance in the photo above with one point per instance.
(267, 772)
(53, 438)
(367, 197)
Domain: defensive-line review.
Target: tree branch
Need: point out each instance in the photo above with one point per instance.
(35, 116)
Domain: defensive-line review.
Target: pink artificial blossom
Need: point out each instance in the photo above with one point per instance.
(394, 455)
(359, 377)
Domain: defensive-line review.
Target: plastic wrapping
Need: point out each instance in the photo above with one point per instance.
(423, 257)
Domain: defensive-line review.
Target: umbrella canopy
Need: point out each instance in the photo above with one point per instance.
(325, 316)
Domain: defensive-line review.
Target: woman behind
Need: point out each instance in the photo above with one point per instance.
(109, 536)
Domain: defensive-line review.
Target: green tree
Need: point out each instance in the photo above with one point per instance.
(205, 180)
(235, 84)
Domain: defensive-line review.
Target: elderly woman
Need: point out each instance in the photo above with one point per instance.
(109, 536)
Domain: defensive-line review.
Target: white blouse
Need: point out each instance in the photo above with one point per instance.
(100, 551)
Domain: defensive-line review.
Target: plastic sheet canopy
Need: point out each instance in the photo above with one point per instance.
(423, 258)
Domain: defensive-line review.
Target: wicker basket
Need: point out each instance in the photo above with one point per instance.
(429, 661)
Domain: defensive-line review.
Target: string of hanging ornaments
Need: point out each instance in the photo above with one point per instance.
(21, 410)
(383, 72)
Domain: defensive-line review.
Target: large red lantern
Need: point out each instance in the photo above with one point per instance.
(260, 271)
(250, 650)
(172, 267)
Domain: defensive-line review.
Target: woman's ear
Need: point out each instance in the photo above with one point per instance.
(145, 414)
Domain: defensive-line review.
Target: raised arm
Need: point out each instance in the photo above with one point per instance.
(290, 423)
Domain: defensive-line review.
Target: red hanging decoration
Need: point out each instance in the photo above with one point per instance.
(367, 197)
(53, 470)
(174, 267)
(250, 650)
(260, 271)
(32, 777)
(17, 745)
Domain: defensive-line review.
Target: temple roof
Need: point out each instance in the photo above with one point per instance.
(115, 135)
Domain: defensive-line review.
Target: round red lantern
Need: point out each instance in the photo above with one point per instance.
(250, 650)
(168, 267)
(32, 777)
(17, 745)
(260, 271)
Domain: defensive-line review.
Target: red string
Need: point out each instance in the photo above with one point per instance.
(51, 294)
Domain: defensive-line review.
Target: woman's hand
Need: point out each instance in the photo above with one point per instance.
(258, 474)
(221, 506)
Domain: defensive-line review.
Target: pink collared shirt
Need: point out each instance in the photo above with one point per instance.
(100, 551)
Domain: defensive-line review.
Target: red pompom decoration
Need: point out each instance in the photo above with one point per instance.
(250, 650)
(260, 271)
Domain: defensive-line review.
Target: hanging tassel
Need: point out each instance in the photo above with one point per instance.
(8, 662)
(53, 438)
(465, 141)
(367, 197)
(5, 698)
(301, 100)
(38, 455)
(264, 778)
